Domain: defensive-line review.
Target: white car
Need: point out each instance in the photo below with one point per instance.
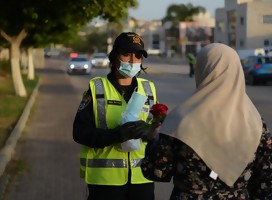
(153, 51)
(100, 60)
(79, 65)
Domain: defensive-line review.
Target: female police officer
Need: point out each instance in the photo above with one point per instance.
(110, 172)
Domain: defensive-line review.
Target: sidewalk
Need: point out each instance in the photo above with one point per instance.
(47, 148)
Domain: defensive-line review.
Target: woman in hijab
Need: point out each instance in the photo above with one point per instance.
(215, 144)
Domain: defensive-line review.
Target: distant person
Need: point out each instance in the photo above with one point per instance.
(110, 172)
(191, 60)
(215, 144)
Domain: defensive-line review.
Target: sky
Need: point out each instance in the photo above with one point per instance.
(156, 9)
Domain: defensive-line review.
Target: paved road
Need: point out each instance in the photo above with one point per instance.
(46, 148)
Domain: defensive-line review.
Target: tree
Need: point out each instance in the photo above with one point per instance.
(41, 36)
(175, 14)
(51, 18)
(182, 12)
(15, 42)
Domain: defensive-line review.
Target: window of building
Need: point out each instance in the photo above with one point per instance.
(267, 19)
(241, 20)
(241, 43)
(220, 26)
(231, 16)
(232, 39)
(266, 42)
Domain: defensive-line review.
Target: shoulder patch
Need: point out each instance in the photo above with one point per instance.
(84, 102)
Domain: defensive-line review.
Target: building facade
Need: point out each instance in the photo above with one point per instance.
(244, 24)
(196, 34)
(168, 39)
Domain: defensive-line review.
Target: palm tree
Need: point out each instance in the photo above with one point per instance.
(182, 12)
(175, 14)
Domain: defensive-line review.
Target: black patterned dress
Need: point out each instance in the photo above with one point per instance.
(169, 157)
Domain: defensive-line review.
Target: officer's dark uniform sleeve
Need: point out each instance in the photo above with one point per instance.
(84, 129)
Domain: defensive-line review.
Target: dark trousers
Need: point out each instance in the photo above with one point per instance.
(124, 192)
(192, 71)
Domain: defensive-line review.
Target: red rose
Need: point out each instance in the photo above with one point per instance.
(159, 112)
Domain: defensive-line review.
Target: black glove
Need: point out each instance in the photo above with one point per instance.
(135, 130)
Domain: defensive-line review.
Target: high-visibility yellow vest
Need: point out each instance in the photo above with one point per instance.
(191, 58)
(110, 165)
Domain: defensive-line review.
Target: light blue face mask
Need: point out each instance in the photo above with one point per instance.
(129, 69)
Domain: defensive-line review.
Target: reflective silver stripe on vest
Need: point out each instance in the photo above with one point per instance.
(99, 88)
(136, 162)
(110, 163)
(148, 91)
(107, 163)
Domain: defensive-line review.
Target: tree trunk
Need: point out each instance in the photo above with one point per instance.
(15, 42)
(23, 61)
(31, 72)
(15, 69)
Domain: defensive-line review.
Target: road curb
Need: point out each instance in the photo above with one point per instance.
(9, 148)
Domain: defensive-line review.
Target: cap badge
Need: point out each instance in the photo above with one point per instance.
(135, 38)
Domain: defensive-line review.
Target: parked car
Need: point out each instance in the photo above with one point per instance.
(152, 51)
(257, 69)
(100, 60)
(79, 65)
